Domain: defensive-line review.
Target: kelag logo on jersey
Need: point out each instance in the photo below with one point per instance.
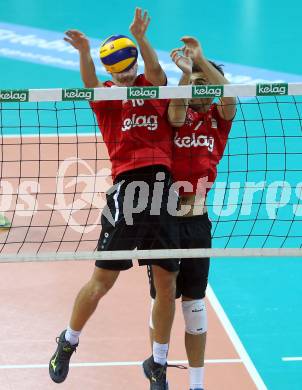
(272, 89)
(207, 91)
(195, 141)
(14, 95)
(77, 94)
(142, 92)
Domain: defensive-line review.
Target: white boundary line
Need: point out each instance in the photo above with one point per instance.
(226, 323)
(292, 359)
(114, 364)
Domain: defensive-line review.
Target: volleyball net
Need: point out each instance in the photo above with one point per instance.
(55, 172)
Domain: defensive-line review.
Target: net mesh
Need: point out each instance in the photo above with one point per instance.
(55, 172)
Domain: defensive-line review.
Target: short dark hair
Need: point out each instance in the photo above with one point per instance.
(197, 68)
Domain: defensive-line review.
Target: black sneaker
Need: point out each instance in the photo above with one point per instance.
(156, 373)
(59, 362)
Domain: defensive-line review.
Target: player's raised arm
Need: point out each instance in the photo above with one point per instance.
(153, 70)
(227, 106)
(178, 107)
(80, 42)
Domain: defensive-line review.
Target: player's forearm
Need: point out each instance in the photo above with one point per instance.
(212, 74)
(148, 54)
(153, 69)
(88, 72)
(215, 77)
(177, 111)
(227, 105)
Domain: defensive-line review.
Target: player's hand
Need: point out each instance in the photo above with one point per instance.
(78, 40)
(193, 47)
(139, 24)
(182, 59)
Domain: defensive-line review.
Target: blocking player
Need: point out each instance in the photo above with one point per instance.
(201, 131)
(138, 137)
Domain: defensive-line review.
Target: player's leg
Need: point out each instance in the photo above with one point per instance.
(88, 298)
(156, 311)
(85, 304)
(164, 303)
(159, 351)
(113, 237)
(192, 282)
(162, 319)
(163, 312)
(195, 316)
(165, 235)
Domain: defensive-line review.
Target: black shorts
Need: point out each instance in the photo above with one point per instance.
(192, 280)
(151, 228)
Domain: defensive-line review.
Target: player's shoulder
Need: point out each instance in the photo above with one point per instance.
(108, 83)
(141, 81)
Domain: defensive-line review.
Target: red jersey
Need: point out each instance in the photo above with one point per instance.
(198, 147)
(136, 132)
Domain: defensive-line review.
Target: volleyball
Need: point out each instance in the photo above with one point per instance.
(118, 53)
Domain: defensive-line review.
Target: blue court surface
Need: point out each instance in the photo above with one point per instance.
(258, 41)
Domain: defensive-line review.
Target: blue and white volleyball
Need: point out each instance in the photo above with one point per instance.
(118, 53)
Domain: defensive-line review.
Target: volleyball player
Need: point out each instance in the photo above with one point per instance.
(138, 137)
(201, 131)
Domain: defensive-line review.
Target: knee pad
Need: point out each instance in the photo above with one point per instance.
(195, 316)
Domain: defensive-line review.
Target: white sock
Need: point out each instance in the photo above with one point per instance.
(72, 336)
(160, 352)
(196, 377)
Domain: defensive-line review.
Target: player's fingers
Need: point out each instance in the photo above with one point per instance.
(148, 22)
(73, 32)
(68, 33)
(138, 13)
(189, 40)
(173, 52)
(187, 52)
(175, 57)
(180, 49)
(145, 16)
(75, 37)
(70, 41)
